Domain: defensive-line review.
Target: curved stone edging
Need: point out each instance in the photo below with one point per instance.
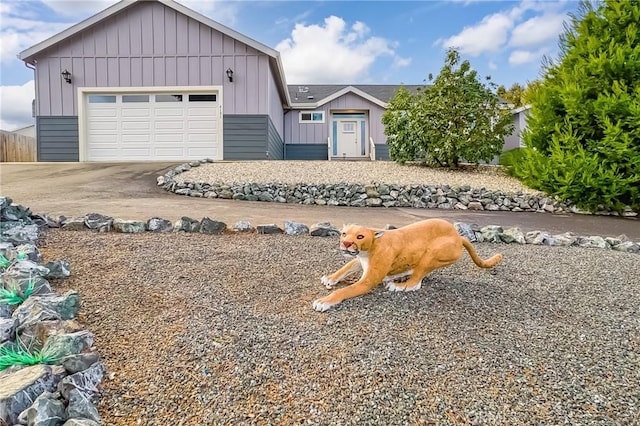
(372, 195)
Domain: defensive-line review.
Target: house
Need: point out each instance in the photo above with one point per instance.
(515, 140)
(28, 131)
(155, 80)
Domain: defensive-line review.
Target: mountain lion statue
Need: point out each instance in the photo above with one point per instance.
(384, 256)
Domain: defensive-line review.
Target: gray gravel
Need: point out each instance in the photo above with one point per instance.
(356, 172)
(201, 330)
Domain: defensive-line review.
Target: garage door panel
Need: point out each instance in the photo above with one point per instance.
(139, 127)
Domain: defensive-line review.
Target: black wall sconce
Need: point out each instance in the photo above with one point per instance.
(230, 74)
(66, 75)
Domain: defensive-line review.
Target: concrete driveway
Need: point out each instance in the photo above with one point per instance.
(129, 191)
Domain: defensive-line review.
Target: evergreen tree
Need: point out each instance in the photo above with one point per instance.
(583, 136)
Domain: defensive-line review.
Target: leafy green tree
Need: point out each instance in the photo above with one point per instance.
(457, 118)
(583, 136)
(514, 95)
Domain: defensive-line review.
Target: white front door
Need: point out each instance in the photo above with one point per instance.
(348, 138)
(349, 133)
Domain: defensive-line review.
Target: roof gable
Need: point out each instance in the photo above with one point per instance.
(29, 55)
(305, 96)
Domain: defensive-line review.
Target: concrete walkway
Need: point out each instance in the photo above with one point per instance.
(129, 191)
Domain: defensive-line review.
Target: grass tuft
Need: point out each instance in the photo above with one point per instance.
(11, 296)
(22, 356)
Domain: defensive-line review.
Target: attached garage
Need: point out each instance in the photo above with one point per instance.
(150, 124)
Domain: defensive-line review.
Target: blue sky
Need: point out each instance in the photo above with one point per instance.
(385, 42)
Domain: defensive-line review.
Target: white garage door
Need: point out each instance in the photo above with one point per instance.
(160, 126)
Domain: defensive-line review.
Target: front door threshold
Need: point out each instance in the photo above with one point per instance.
(338, 158)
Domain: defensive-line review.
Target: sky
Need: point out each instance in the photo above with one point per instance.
(323, 42)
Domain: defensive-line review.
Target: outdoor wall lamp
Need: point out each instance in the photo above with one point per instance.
(230, 74)
(66, 75)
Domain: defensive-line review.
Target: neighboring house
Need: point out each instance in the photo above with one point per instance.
(515, 140)
(154, 80)
(29, 131)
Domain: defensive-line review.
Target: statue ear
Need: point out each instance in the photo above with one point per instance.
(378, 234)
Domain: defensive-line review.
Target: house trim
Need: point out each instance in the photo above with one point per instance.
(84, 91)
(341, 92)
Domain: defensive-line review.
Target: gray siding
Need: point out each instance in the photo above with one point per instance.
(57, 138)
(515, 140)
(305, 152)
(382, 151)
(274, 142)
(307, 133)
(149, 44)
(246, 137)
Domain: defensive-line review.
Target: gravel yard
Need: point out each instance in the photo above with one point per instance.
(364, 172)
(200, 330)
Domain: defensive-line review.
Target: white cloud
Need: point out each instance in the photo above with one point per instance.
(488, 36)
(519, 57)
(15, 102)
(225, 12)
(537, 30)
(492, 65)
(399, 62)
(77, 8)
(332, 52)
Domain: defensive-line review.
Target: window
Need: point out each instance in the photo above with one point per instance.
(168, 98)
(312, 117)
(102, 99)
(202, 98)
(134, 98)
(348, 127)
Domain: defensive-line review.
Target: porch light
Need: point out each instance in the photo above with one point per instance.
(66, 75)
(230, 74)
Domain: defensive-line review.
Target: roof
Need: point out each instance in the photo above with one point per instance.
(29, 55)
(315, 95)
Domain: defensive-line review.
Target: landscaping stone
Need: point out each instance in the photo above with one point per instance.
(592, 242)
(85, 381)
(491, 233)
(80, 406)
(212, 227)
(186, 224)
(98, 222)
(20, 388)
(539, 238)
(58, 269)
(323, 229)
(80, 362)
(38, 333)
(243, 226)
(156, 224)
(129, 226)
(80, 422)
(7, 329)
(27, 251)
(25, 269)
(627, 246)
(294, 228)
(565, 239)
(513, 235)
(46, 410)
(60, 346)
(47, 307)
(271, 228)
(465, 231)
(74, 224)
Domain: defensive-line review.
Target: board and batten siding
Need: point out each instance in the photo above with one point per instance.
(57, 138)
(250, 137)
(317, 133)
(147, 45)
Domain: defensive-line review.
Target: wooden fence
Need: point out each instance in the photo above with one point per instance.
(16, 148)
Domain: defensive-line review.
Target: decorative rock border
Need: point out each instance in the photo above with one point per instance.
(62, 389)
(372, 195)
(474, 233)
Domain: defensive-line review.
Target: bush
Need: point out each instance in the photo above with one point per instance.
(510, 158)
